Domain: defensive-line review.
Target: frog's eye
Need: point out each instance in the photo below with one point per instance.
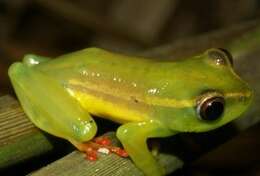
(220, 56)
(211, 108)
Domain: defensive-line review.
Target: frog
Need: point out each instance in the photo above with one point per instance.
(149, 98)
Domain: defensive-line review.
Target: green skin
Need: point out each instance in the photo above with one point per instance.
(150, 98)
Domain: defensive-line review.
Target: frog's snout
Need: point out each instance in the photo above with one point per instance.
(245, 98)
(248, 97)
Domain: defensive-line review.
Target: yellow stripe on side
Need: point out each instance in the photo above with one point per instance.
(166, 102)
(109, 110)
(148, 100)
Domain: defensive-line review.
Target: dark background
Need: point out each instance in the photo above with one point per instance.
(51, 28)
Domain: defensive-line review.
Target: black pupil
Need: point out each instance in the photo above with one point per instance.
(212, 109)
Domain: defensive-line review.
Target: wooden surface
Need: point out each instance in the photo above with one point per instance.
(19, 139)
(107, 165)
(75, 164)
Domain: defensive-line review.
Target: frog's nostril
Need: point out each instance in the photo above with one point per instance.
(247, 98)
(250, 97)
(243, 99)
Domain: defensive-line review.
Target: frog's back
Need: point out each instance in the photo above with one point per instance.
(106, 84)
(93, 57)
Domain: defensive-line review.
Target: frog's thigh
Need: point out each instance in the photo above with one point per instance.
(49, 106)
(134, 136)
(31, 60)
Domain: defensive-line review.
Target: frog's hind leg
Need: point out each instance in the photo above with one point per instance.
(49, 106)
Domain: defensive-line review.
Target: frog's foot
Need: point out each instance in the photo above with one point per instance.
(100, 144)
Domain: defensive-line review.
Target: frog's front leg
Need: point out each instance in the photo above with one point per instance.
(134, 136)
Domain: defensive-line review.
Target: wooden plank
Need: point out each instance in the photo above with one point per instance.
(19, 139)
(107, 165)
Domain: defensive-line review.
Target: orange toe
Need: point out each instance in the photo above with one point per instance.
(100, 144)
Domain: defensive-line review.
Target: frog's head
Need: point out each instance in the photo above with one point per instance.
(213, 93)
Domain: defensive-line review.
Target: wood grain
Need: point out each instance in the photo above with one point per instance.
(20, 140)
(106, 165)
